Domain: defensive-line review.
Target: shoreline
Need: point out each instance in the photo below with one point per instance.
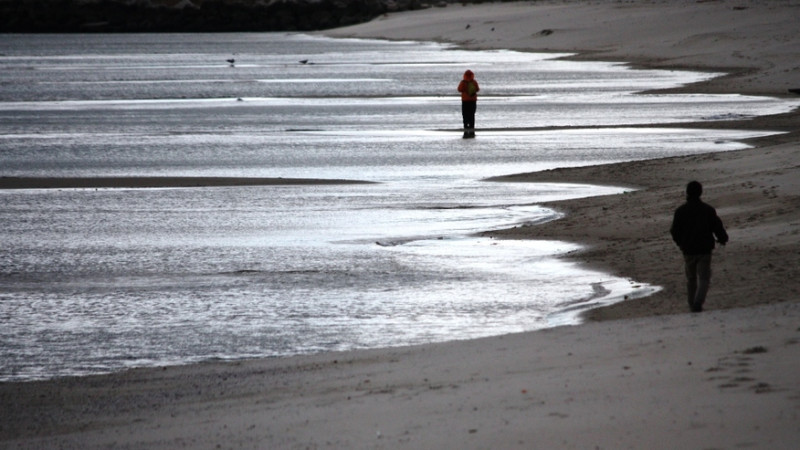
(661, 378)
(593, 32)
(638, 383)
(751, 41)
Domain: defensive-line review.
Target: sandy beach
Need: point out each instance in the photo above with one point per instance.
(642, 373)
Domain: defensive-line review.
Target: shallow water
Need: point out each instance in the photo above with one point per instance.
(99, 280)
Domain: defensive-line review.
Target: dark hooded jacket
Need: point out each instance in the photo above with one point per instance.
(695, 227)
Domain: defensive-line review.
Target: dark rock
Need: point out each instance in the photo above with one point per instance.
(51, 16)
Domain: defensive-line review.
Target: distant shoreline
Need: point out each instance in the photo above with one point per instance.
(158, 182)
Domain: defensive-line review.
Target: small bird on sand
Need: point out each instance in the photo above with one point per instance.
(231, 61)
(303, 61)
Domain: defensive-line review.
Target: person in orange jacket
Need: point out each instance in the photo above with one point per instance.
(469, 102)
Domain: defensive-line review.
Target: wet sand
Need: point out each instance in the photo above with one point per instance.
(650, 375)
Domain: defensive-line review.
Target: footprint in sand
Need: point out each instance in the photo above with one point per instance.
(739, 364)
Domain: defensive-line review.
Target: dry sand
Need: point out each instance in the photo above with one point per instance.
(661, 378)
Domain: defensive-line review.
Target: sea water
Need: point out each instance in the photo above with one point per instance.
(99, 280)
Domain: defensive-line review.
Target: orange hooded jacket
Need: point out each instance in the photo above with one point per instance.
(469, 87)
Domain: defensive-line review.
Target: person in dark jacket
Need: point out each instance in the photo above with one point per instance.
(468, 87)
(695, 228)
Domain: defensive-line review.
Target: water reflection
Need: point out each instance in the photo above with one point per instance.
(98, 280)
